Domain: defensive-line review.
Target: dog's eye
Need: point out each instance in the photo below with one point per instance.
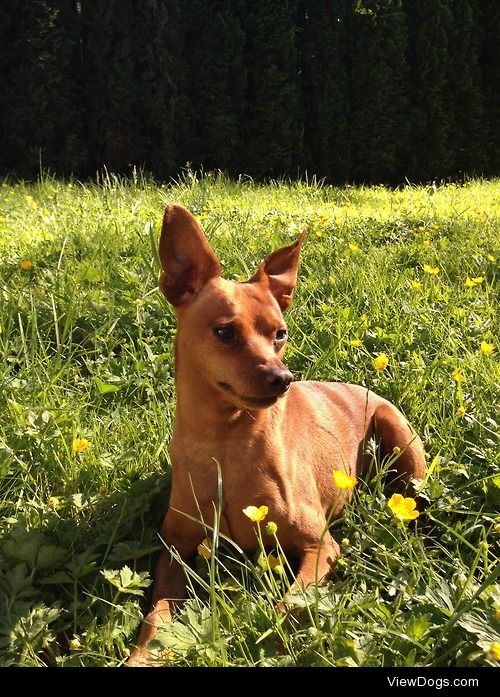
(281, 336)
(225, 333)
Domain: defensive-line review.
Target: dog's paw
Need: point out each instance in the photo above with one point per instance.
(142, 658)
(139, 658)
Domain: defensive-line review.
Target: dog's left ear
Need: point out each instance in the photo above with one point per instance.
(279, 272)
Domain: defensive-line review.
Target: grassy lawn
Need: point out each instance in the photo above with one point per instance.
(86, 353)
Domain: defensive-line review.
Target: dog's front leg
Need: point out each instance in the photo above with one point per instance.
(317, 562)
(170, 585)
(315, 566)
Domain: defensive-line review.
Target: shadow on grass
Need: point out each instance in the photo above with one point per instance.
(73, 580)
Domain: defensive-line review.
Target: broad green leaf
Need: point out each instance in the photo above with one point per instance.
(23, 545)
(49, 556)
(105, 388)
(126, 580)
(59, 577)
(17, 583)
(418, 626)
(409, 661)
(493, 490)
(124, 551)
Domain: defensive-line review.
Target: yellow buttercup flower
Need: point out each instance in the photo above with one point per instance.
(162, 656)
(80, 444)
(255, 514)
(403, 508)
(457, 375)
(473, 282)
(487, 348)
(353, 247)
(343, 480)
(495, 651)
(356, 342)
(269, 561)
(432, 270)
(381, 362)
(426, 243)
(490, 257)
(205, 549)
(26, 265)
(55, 502)
(276, 563)
(74, 644)
(416, 285)
(460, 412)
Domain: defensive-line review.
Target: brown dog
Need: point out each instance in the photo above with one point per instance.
(276, 441)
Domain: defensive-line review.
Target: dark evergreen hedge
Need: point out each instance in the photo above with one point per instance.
(350, 90)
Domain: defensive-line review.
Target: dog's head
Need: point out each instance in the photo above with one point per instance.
(231, 334)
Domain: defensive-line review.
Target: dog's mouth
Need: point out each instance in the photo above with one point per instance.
(252, 402)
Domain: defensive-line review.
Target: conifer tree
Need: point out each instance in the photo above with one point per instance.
(213, 83)
(379, 101)
(325, 90)
(40, 118)
(365, 90)
(6, 19)
(109, 83)
(468, 130)
(156, 49)
(272, 122)
(430, 25)
(490, 69)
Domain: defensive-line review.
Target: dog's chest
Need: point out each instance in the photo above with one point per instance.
(232, 476)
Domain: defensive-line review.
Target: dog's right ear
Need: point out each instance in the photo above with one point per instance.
(188, 261)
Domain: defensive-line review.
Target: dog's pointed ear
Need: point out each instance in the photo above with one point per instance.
(279, 272)
(188, 261)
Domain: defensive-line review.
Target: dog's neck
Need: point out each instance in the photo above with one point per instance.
(201, 412)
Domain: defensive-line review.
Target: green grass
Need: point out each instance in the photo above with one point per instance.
(85, 351)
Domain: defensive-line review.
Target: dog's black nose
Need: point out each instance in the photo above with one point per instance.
(279, 379)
